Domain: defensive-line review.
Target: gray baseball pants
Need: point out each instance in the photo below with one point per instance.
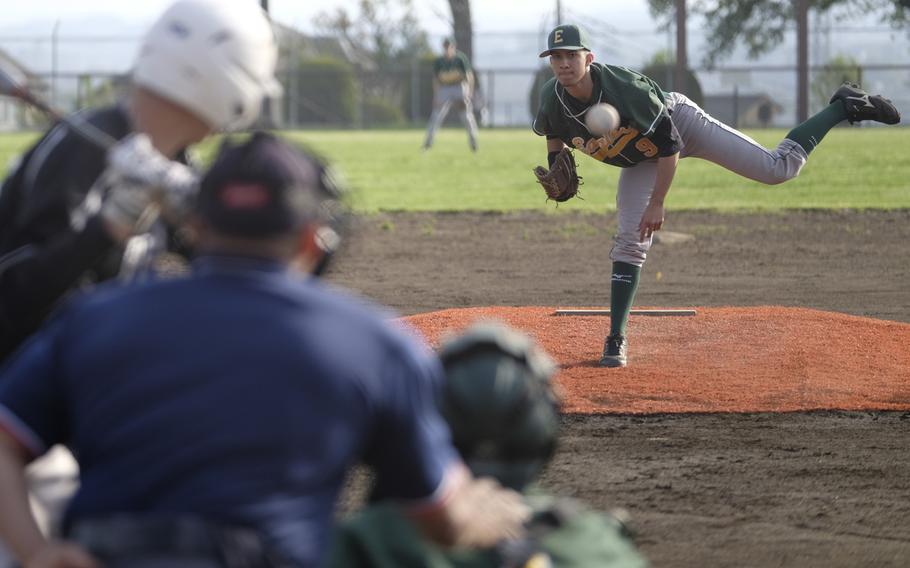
(706, 138)
(447, 95)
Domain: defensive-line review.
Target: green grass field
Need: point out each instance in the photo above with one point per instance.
(854, 168)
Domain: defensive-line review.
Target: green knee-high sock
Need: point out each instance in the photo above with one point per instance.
(811, 132)
(623, 285)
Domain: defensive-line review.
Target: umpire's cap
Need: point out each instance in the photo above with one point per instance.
(499, 403)
(265, 187)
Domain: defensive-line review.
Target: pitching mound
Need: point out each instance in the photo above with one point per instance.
(760, 359)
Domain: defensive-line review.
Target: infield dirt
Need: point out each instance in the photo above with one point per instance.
(821, 488)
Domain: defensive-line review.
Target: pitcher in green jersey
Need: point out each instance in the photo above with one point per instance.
(453, 83)
(656, 129)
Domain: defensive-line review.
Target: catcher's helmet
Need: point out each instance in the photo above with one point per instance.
(499, 403)
(216, 59)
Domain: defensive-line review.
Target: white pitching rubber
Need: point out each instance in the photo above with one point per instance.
(581, 312)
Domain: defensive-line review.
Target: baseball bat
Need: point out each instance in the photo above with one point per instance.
(10, 87)
(134, 259)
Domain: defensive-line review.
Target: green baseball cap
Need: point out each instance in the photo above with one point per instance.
(568, 37)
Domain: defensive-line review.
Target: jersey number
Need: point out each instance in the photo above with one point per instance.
(612, 145)
(646, 147)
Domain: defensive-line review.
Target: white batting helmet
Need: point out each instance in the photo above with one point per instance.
(214, 58)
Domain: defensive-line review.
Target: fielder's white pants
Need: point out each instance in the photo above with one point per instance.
(446, 95)
(709, 139)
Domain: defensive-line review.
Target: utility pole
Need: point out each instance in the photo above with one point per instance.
(54, 42)
(802, 60)
(558, 12)
(682, 59)
(266, 114)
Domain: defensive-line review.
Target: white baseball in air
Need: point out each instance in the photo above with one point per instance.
(601, 119)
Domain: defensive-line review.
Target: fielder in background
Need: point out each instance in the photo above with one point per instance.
(498, 399)
(453, 83)
(214, 416)
(69, 208)
(656, 129)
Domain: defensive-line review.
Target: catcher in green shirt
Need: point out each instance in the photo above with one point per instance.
(656, 129)
(504, 416)
(453, 83)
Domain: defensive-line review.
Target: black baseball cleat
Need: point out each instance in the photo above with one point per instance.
(861, 105)
(615, 348)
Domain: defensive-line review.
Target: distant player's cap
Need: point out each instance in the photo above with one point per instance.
(568, 37)
(448, 41)
(261, 188)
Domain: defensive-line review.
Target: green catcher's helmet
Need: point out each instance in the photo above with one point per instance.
(499, 403)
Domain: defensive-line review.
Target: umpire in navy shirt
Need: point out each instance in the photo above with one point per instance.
(230, 403)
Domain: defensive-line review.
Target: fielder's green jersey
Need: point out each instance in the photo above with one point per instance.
(381, 537)
(645, 131)
(452, 71)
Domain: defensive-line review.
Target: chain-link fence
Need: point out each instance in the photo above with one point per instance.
(330, 84)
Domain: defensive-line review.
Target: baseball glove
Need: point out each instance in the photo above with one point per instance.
(561, 181)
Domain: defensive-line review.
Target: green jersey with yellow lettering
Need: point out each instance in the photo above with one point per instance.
(645, 131)
(452, 71)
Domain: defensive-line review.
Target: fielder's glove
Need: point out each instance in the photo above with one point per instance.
(171, 184)
(561, 181)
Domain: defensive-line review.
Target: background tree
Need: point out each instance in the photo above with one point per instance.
(95, 94)
(760, 25)
(681, 72)
(463, 32)
(543, 75)
(328, 91)
(389, 40)
(662, 68)
(462, 26)
(387, 30)
(838, 69)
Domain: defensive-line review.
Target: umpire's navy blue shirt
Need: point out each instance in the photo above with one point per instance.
(241, 393)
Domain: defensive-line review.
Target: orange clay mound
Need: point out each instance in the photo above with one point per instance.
(760, 359)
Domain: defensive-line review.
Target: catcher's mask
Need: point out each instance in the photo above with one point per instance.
(263, 187)
(499, 403)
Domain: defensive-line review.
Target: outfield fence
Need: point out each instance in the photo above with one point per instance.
(355, 94)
